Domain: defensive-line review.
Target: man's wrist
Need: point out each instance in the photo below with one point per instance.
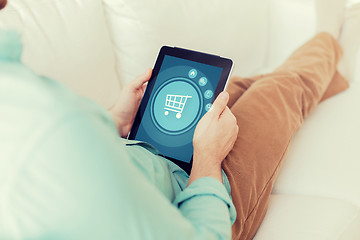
(198, 171)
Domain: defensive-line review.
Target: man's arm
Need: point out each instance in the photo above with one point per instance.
(80, 184)
(214, 138)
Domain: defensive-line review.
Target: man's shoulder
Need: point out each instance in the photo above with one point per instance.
(30, 103)
(25, 90)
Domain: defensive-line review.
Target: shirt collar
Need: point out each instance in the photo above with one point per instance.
(10, 46)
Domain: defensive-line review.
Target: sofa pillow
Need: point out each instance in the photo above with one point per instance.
(291, 24)
(68, 41)
(230, 28)
(323, 158)
(298, 217)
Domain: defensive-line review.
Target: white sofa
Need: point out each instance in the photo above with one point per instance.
(96, 46)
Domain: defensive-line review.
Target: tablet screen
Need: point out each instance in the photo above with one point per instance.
(182, 94)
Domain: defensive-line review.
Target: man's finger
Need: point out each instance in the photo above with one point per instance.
(227, 112)
(220, 103)
(141, 79)
(143, 87)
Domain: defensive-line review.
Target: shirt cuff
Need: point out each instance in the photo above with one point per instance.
(207, 186)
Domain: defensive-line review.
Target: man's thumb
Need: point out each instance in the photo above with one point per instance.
(220, 103)
(141, 79)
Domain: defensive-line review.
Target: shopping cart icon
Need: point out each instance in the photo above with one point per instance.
(175, 103)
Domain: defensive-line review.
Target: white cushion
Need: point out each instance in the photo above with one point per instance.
(309, 218)
(291, 24)
(324, 156)
(68, 41)
(230, 28)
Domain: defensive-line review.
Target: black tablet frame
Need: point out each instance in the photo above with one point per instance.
(213, 60)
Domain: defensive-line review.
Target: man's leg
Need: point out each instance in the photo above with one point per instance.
(268, 113)
(238, 85)
(236, 88)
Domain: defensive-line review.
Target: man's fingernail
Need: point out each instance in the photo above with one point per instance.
(223, 95)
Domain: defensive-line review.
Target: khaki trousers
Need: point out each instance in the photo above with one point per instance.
(269, 109)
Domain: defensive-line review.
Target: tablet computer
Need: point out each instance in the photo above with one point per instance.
(182, 88)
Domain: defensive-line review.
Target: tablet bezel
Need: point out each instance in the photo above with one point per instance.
(213, 60)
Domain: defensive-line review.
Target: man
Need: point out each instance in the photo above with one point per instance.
(66, 173)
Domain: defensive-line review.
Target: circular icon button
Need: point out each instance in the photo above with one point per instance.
(192, 73)
(176, 105)
(208, 94)
(203, 81)
(208, 106)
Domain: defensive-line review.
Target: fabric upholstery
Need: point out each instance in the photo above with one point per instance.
(68, 41)
(139, 28)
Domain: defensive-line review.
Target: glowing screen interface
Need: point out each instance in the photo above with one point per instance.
(182, 94)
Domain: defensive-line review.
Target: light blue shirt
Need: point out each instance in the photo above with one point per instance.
(66, 174)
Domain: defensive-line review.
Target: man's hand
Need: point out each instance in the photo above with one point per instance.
(214, 137)
(127, 105)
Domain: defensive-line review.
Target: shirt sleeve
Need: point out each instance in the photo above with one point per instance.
(207, 198)
(78, 183)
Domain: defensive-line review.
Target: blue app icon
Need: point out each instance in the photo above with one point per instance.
(208, 106)
(192, 73)
(203, 81)
(208, 94)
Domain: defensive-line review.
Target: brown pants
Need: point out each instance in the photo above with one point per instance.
(269, 110)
